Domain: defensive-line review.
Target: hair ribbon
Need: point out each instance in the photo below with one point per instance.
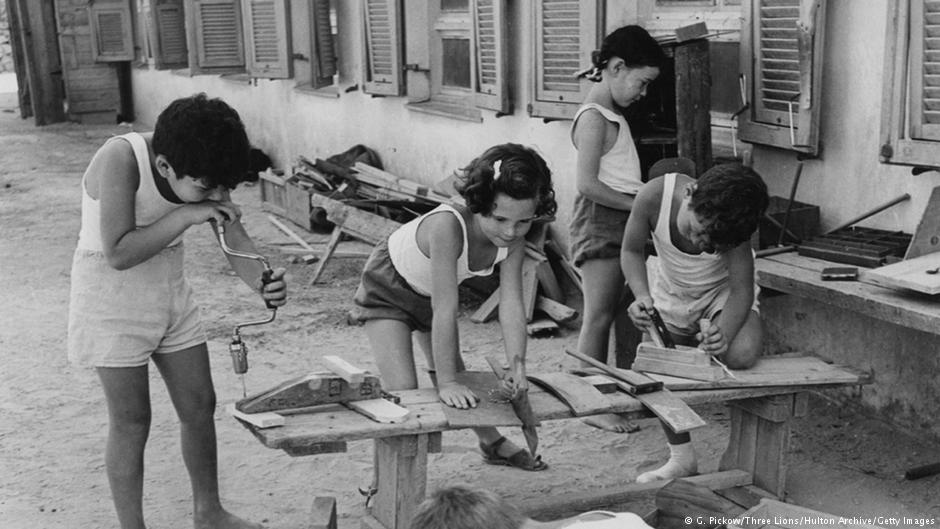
(496, 169)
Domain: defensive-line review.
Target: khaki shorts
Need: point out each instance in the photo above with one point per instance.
(383, 294)
(119, 318)
(596, 231)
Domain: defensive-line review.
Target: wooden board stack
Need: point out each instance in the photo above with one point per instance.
(685, 362)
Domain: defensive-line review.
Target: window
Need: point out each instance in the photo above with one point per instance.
(215, 40)
(781, 60)
(382, 61)
(267, 38)
(910, 122)
(323, 58)
(111, 31)
(566, 32)
(165, 33)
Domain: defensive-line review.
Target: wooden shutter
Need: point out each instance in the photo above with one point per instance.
(566, 32)
(925, 71)
(383, 47)
(489, 21)
(215, 36)
(323, 52)
(267, 38)
(111, 31)
(168, 34)
(781, 58)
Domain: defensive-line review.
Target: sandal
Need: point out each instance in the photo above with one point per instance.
(521, 459)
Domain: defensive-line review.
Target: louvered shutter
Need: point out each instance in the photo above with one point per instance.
(267, 39)
(565, 35)
(111, 31)
(323, 54)
(925, 72)
(781, 46)
(383, 47)
(492, 90)
(168, 34)
(215, 36)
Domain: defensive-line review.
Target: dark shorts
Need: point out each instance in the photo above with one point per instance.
(596, 231)
(383, 294)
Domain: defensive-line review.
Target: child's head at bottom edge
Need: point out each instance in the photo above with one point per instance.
(203, 138)
(729, 200)
(460, 507)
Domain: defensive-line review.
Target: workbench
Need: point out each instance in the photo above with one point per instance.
(763, 401)
(801, 276)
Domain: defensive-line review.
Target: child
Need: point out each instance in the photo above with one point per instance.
(130, 302)
(608, 177)
(464, 508)
(704, 269)
(409, 283)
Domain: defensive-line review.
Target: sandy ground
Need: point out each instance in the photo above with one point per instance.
(53, 423)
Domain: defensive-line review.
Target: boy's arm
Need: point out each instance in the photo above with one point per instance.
(512, 319)
(741, 297)
(589, 134)
(445, 242)
(640, 224)
(113, 178)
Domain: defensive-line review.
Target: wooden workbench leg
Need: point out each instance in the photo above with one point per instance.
(402, 475)
(760, 439)
(335, 237)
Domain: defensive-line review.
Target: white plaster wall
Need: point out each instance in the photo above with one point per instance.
(421, 147)
(848, 179)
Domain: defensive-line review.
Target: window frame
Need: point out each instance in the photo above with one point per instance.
(803, 135)
(278, 65)
(200, 61)
(897, 146)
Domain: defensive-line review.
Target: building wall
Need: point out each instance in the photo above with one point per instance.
(6, 49)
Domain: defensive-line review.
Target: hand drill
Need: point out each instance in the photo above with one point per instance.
(237, 347)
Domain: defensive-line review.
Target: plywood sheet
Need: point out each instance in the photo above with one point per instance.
(488, 412)
(921, 274)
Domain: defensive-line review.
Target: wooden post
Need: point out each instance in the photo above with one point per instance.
(760, 439)
(19, 59)
(43, 67)
(401, 468)
(693, 103)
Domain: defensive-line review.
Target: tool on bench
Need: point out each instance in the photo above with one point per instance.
(636, 383)
(520, 405)
(703, 324)
(658, 331)
(237, 347)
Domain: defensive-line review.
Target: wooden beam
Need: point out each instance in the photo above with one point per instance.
(43, 67)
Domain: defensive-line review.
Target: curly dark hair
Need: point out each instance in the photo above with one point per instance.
(633, 44)
(522, 174)
(203, 138)
(730, 199)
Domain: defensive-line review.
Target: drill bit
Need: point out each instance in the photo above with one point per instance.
(244, 391)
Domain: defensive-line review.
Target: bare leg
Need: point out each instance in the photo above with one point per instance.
(127, 391)
(747, 345)
(602, 283)
(189, 383)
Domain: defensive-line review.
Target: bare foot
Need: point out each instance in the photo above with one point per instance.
(612, 423)
(223, 519)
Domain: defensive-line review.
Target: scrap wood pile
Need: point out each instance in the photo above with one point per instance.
(351, 195)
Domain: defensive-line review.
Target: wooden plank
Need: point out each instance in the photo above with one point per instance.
(487, 310)
(925, 240)
(301, 450)
(778, 408)
(681, 354)
(350, 373)
(380, 410)
(551, 507)
(601, 383)
(582, 397)
(772, 371)
(920, 274)
(335, 238)
(267, 419)
(566, 266)
(646, 364)
(675, 413)
(639, 383)
(555, 310)
(549, 283)
(541, 327)
(311, 389)
(323, 513)
(489, 412)
(770, 463)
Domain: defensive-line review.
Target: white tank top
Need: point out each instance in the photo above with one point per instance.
(620, 166)
(415, 267)
(693, 275)
(149, 204)
(620, 520)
